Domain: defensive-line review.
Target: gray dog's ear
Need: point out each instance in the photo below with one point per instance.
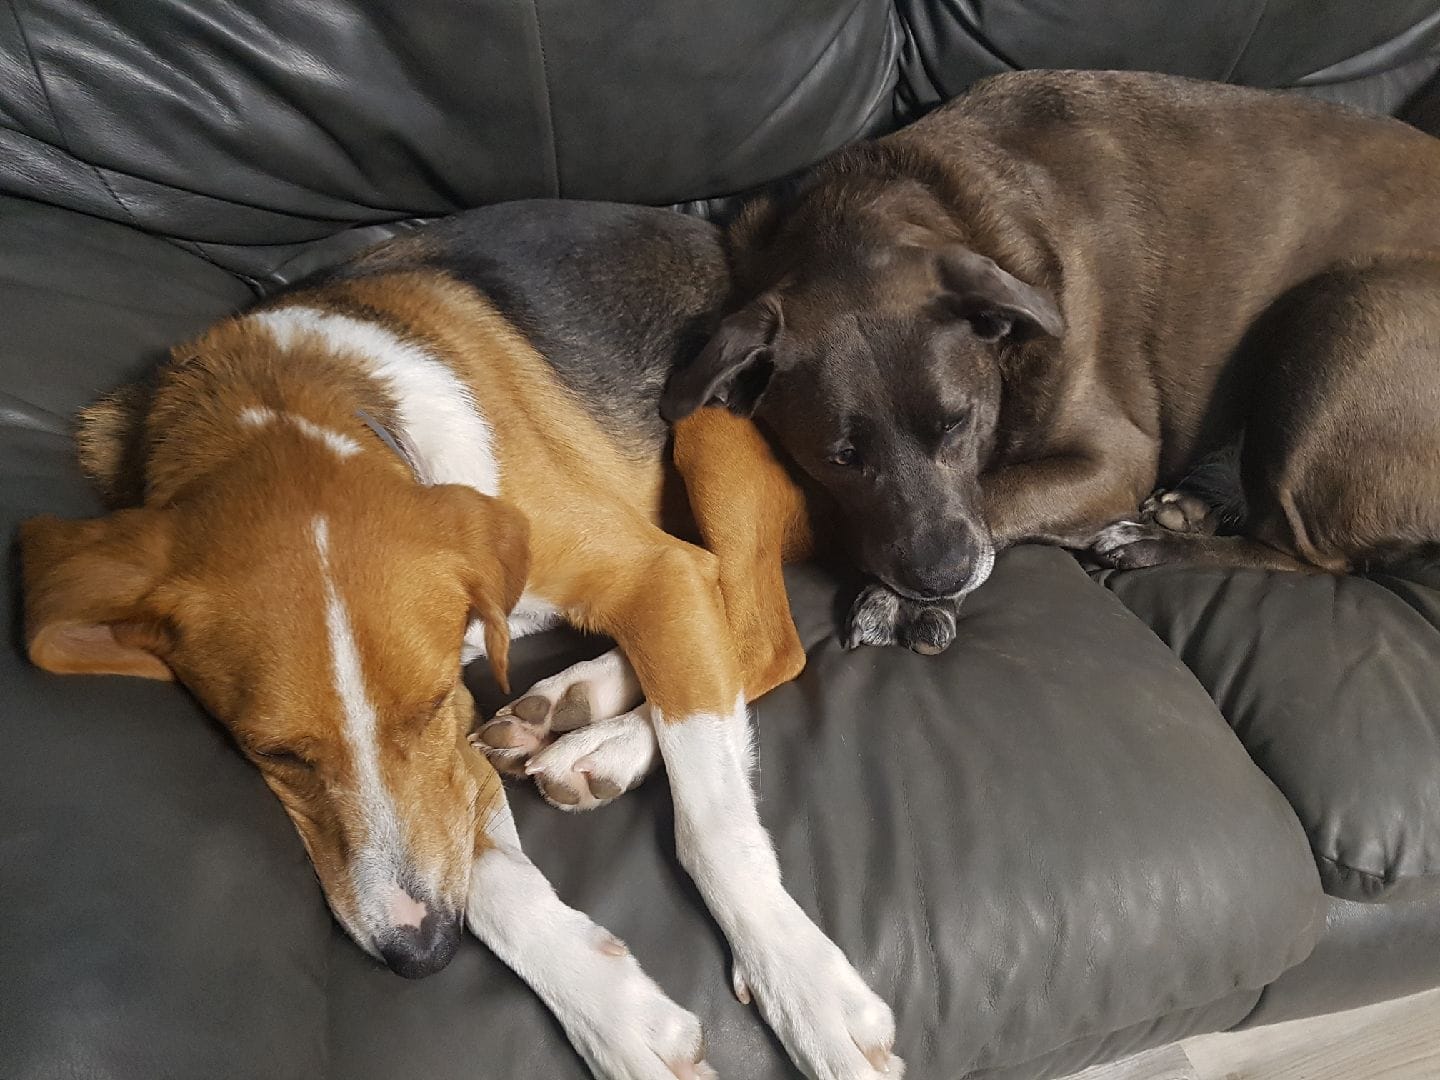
(734, 367)
(994, 302)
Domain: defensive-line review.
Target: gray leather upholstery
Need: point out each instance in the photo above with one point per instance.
(1332, 684)
(1046, 847)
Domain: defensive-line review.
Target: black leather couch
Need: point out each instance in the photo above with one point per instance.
(1118, 811)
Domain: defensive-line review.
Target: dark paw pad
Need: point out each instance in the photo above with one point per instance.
(573, 709)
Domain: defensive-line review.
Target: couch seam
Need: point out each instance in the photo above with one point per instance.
(55, 116)
(1382, 878)
(794, 88)
(39, 78)
(1249, 38)
(98, 172)
(549, 105)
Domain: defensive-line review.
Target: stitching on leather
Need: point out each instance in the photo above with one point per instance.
(1245, 45)
(55, 116)
(549, 108)
(39, 77)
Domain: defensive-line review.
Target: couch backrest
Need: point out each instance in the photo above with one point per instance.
(273, 122)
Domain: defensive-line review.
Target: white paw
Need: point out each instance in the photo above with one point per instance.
(585, 692)
(588, 767)
(616, 1017)
(625, 1027)
(582, 694)
(831, 1023)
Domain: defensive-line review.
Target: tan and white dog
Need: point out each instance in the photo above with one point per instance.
(339, 495)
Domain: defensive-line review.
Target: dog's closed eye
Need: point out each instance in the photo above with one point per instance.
(423, 715)
(283, 756)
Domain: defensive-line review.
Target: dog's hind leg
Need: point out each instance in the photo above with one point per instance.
(1341, 451)
(614, 1014)
(754, 518)
(668, 614)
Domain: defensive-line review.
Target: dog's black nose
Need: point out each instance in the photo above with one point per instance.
(417, 951)
(941, 567)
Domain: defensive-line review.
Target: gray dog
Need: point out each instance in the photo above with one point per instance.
(1018, 317)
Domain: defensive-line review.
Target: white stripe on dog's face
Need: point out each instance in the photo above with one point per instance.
(436, 411)
(374, 868)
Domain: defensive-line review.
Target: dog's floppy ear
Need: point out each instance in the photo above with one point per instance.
(995, 303)
(494, 546)
(734, 367)
(87, 586)
(110, 440)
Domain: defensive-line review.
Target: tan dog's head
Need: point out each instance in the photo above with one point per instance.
(316, 605)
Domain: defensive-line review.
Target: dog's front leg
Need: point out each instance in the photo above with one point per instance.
(615, 1015)
(753, 516)
(674, 631)
(1066, 498)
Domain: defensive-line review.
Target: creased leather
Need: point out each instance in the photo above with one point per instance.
(1045, 848)
(1333, 684)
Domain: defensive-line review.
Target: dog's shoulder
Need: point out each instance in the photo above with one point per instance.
(612, 296)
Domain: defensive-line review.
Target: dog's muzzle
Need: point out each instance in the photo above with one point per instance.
(417, 951)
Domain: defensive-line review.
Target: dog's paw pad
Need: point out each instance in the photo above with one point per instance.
(604, 790)
(1180, 512)
(592, 765)
(508, 739)
(558, 793)
(573, 709)
(533, 709)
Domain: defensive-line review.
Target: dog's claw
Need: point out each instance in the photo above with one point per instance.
(737, 983)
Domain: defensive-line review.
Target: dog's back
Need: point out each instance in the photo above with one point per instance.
(613, 296)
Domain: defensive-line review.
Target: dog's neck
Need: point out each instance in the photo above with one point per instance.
(353, 386)
(212, 412)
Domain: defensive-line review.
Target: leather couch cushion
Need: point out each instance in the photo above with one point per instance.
(245, 129)
(271, 122)
(1368, 953)
(1043, 846)
(1371, 55)
(1333, 684)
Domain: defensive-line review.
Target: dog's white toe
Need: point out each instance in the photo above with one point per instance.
(588, 767)
(831, 1023)
(632, 1031)
(1121, 534)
